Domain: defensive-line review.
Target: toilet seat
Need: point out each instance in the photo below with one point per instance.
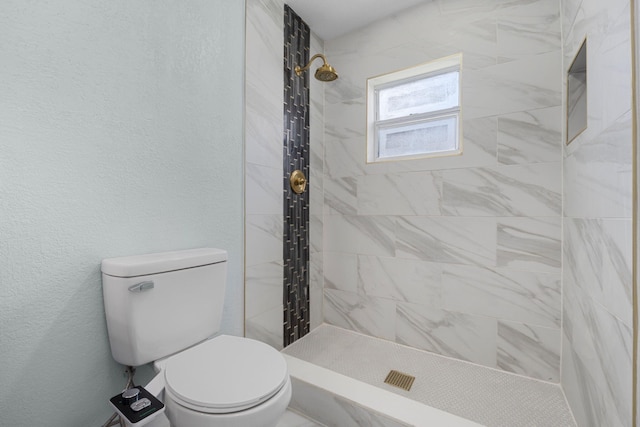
(225, 374)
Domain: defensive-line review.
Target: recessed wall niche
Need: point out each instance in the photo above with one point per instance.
(577, 94)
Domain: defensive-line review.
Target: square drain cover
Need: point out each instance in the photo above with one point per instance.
(400, 380)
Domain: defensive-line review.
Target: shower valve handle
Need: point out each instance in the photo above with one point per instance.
(298, 181)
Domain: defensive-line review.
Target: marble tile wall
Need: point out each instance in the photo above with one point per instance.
(263, 171)
(468, 262)
(458, 255)
(263, 175)
(597, 223)
(316, 191)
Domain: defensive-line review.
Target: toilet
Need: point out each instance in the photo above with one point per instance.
(166, 308)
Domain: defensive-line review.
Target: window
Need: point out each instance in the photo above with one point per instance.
(415, 112)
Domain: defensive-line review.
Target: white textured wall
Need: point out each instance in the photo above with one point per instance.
(457, 255)
(120, 133)
(597, 242)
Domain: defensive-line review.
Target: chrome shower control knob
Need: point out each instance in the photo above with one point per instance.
(131, 395)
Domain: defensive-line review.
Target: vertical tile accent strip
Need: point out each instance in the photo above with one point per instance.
(297, 39)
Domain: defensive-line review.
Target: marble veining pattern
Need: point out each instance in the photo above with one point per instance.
(451, 240)
(316, 226)
(344, 157)
(458, 335)
(345, 122)
(529, 350)
(530, 137)
(447, 249)
(263, 83)
(263, 239)
(263, 282)
(414, 193)
(341, 271)
(341, 196)
(400, 279)
(597, 249)
(598, 261)
(369, 315)
(601, 347)
(519, 296)
(581, 395)
(597, 176)
(607, 26)
(263, 123)
(263, 169)
(263, 190)
(528, 28)
(317, 183)
(531, 244)
(334, 410)
(266, 327)
(370, 235)
(518, 190)
(519, 85)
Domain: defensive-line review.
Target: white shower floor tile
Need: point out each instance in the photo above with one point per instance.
(486, 396)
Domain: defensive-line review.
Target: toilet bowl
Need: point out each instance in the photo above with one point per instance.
(226, 381)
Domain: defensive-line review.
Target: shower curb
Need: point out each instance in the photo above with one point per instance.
(334, 399)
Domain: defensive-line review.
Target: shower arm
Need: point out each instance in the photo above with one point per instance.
(299, 70)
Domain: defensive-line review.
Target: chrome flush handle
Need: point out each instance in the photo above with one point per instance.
(142, 286)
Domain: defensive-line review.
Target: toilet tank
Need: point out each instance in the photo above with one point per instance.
(159, 304)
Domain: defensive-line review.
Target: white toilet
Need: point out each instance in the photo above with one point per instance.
(166, 308)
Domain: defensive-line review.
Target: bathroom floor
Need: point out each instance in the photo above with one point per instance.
(486, 396)
(293, 419)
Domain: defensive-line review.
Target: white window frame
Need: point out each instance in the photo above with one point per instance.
(374, 84)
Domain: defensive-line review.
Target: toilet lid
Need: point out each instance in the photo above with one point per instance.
(225, 374)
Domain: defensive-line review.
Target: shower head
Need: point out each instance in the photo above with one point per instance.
(325, 73)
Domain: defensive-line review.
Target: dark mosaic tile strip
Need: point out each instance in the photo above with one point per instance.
(297, 38)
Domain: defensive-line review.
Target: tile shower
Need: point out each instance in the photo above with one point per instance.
(459, 255)
(264, 120)
(463, 256)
